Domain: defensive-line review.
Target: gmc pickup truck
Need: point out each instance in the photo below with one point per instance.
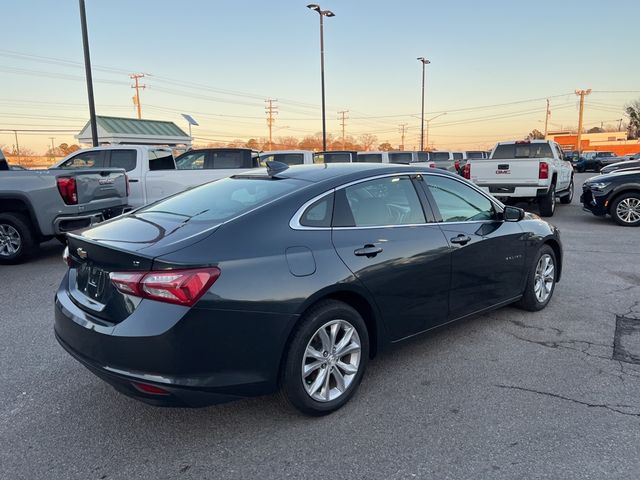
(153, 172)
(37, 205)
(530, 171)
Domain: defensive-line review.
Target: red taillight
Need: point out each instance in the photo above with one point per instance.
(432, 165)
(466, 171)
(67, 189)
(183, 287)
(543, 170)
(456, 164)
(152, 389)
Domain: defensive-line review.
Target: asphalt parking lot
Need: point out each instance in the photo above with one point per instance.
(511, 394)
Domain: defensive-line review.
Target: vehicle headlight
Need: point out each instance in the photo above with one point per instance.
(598, 186)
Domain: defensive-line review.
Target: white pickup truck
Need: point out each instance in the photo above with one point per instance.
(152, 171)
(525, 171)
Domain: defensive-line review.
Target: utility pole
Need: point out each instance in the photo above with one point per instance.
(87, 71)
(581, 94)
(546, 120)
(15, 132)
(620, 125)
(270, 110)
(343, 117)
(403, 130)
(52, 148)
(136, 99)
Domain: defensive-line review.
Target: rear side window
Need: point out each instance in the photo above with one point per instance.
(161, 160)
(475, 155)
(319, 213)
(439, 156)
(423, 157)
(457, 156)
(91, 159)
(337, 158)
(191, 161)
(123, 159)
(385, 201)
(369, 157)
(223, 199)
(458, 202)
(523, 150)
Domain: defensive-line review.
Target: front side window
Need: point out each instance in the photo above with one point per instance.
(458, 202)
(85, 160)
(191, 161)
(381, 202)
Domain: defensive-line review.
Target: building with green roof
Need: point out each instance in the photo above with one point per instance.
(119, 130)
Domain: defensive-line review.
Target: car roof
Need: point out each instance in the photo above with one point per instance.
(343, 171)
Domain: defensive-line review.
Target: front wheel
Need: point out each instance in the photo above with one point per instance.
(625, 210)
(547, 204)
(326, 359)
(541, 281)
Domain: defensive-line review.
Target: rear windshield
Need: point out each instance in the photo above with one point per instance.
(337, 158)
(523, 150)
(400, 157)
(288, 158)
(223, 199)
(161, 160)
(475, 155)
(439, 156)
(369, 157)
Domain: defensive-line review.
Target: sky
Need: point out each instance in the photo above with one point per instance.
(494, 64)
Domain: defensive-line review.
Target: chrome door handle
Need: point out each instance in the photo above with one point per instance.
(368, 251)
(461, 239)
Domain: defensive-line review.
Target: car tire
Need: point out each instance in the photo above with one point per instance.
(568, 198)
(625, 210)
(17, 241)
(540, 281)
(326, 383)
(547, 204)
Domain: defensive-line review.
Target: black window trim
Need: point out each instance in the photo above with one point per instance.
(294, 223)
(109, 153)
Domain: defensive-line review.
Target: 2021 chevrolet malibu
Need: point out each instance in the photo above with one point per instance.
(292, 279)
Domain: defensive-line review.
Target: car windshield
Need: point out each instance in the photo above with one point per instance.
(221, 200)
(523, 150)
(475, 155)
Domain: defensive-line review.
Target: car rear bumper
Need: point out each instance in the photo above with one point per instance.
(198, 357)
(514, 191)
(68, 223)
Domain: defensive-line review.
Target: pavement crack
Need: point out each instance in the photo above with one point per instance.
(567, 345)
(520, 324)
(613, 408)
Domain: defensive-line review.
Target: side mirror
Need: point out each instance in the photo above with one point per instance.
(512, 214)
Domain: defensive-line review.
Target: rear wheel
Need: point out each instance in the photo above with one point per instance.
(540, 282)
(568, 198)
(625, 210)
(326, 359)
(16, 238)
(547, 204)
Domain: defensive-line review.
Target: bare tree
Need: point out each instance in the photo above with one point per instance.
(367, 140)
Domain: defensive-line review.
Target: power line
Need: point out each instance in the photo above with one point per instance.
(271, 110)
(136, 99)
(343, 122)
(403, 129)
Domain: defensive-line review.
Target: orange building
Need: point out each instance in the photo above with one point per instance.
(616, 142)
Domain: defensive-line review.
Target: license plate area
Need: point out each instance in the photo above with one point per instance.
(93, 282)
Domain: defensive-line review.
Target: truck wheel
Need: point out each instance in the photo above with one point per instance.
(625, 210)
(568, 198)
(16, 238)
(547, 204)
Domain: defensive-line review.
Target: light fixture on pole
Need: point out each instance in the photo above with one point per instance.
(191, 121)
(424, 62)
(427, 122)
(322, 14)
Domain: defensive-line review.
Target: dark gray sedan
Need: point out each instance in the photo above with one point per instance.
(292, 279)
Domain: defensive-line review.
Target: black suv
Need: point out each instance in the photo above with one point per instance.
(616, 194)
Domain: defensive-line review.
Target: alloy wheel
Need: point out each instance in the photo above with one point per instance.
(331, 360)
(628, 210)
(544, 278)
(10, 240)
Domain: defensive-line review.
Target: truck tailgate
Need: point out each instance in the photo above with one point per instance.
(99, 186)
(511, 171)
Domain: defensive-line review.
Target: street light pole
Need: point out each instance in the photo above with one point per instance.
(428, 122)
(424, 62)
(322, 13)
(87, 68)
